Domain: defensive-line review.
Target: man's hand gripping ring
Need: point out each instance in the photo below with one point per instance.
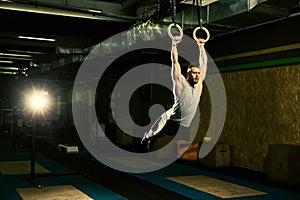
(204, 29)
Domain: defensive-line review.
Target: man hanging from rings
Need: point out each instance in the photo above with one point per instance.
(186, 90)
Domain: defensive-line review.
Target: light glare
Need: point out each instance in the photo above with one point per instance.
(38, 101)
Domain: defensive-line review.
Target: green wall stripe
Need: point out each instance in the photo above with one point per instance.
(268, 63)
(259, 52)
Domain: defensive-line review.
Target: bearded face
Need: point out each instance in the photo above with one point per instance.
(194, 75)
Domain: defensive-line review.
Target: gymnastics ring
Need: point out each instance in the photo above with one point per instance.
(179, 29)
(204, 29)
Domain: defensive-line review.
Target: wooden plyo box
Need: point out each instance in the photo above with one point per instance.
(220, 156)
(283, 163)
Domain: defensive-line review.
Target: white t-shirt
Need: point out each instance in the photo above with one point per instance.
(185, 105)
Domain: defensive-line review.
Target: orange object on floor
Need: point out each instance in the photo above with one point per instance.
(190, 152)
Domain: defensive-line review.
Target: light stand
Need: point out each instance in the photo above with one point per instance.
(32, 175)
(38, 101)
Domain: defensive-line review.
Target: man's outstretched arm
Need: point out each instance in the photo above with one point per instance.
(202, 59)
(176, 69)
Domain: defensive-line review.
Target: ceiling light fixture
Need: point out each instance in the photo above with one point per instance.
(6, 61)
(16, 58)
(9, 68)
(9, 1)
(10, 73)
(36, 38)
(15, 55)
(95, 11)
(51, 11)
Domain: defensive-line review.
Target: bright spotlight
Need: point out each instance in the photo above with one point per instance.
(38, 101)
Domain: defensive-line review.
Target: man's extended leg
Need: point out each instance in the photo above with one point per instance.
(157, 127)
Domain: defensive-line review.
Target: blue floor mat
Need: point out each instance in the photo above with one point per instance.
(88, 187)
(59, 175)
(178, 169)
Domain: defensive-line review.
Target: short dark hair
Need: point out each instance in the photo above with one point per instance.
(190, 66)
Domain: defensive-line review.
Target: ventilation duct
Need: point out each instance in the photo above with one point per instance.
(212, 11)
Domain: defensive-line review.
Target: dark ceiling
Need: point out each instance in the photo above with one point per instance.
(73, 34)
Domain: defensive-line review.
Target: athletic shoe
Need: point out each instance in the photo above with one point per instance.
(146, 141)
(144, 138)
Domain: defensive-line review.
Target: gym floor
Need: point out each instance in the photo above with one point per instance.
(79, 176)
